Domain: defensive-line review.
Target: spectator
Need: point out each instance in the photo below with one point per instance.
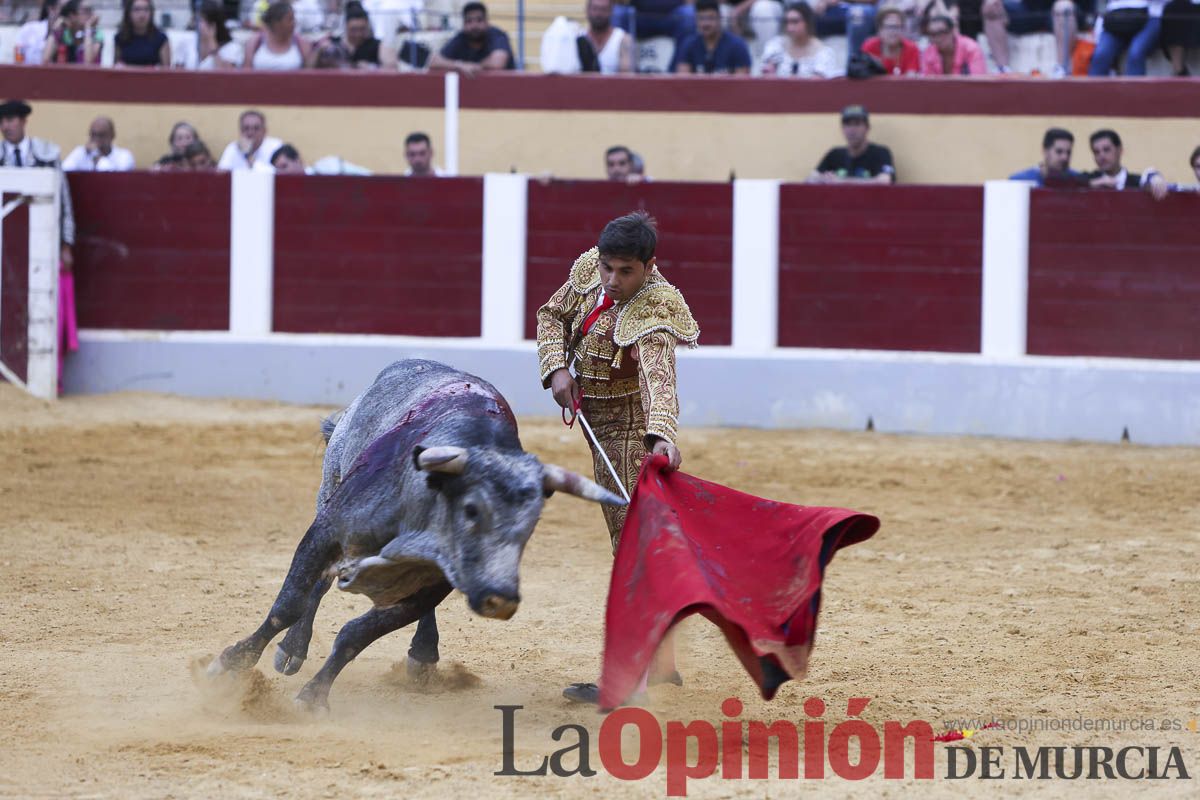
(1020, 17)
(854, 19)
(860, 161)
(198, 158)
(1109, 174)
(99, 154)
(171, 162)
(182, 134)
(899, 55)
(1131, 25)
(217, 48)
(620, 164)
(31, 38)
(1055, 168)
(1180, 32)
(653, 18)
(20, 150)
(139, 41)
(73, 37)
(418, 152)
(253, 149)
(761, 19)
(363, 50)
(277, 47)
(798, 53)
(1194, 163)
(949, 53)
(712, 50)
(310, 16)
(478, 46)
(637, 167)
(603, 47)
(287, 161)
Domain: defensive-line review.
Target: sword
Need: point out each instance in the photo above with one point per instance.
(577, 414)
(611, 471)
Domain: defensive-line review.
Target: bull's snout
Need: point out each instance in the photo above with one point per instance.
(495, 605)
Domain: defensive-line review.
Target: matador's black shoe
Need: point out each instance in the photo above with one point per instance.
(589, 693)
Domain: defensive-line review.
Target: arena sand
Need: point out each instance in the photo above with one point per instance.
(141, 534)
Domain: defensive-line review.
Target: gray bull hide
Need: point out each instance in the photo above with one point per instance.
(425, 489)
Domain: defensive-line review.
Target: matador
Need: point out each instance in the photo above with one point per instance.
(606, 346)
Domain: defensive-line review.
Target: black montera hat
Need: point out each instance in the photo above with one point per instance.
(15, 108)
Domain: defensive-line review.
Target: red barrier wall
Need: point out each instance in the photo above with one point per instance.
(152, 250)
(878, 268)
(14, 290)
(695, 251)
(1126, 286)
(378, 255)
(1134, 97)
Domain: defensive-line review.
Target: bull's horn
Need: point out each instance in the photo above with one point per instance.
(555, 478)
(443, 459)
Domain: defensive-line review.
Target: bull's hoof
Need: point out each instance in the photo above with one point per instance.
(312, 702)
(421, 672)
(286, 663)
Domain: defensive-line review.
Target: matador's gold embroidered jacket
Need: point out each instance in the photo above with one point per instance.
(629, 350)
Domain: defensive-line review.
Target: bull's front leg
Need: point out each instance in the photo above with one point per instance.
(315, 553)
(357, 634)
(293, 650)
(423, 654)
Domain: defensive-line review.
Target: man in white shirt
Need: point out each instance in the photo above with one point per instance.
(19, 150)
(99, 154)
(418, 152)
(287, 161)
(253, 149)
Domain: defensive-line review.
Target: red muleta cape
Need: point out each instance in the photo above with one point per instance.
(750, 565)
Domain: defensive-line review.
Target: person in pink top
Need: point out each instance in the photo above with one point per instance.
(949, 53)
(899, 56)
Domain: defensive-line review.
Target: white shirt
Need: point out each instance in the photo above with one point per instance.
(291, 58)
(610, 56)
(119, 160)
(31, 39)
(821, 63)
(9, 157)
(335, 165)
(231, 53)
(232, 158)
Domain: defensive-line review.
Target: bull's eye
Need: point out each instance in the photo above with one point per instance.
(471, 510)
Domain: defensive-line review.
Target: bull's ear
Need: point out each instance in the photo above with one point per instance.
(451, 460)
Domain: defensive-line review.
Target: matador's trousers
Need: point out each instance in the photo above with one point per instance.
(620, 428)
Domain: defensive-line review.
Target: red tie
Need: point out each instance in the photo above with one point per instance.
(606, 303)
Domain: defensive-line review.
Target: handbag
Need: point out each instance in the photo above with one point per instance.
(864, 65)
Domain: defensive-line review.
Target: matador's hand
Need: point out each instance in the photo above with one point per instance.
(664, 448)
(564, 388)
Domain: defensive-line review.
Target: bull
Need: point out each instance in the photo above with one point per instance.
(425, 489)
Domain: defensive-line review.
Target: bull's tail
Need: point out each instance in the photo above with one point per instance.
(329, 423)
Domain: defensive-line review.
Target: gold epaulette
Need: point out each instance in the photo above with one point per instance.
(585, 274)
(657, 307)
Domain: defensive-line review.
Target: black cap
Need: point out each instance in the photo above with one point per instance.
(855, 112)
(15, 108)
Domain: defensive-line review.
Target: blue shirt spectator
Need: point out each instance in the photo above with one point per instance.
(712, 50)
(1055, 169)
(478, 46)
